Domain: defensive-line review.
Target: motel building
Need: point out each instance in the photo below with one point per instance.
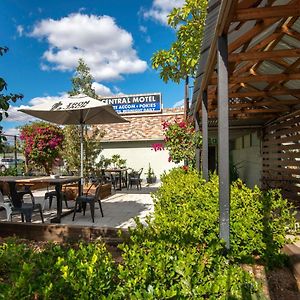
(133, 140)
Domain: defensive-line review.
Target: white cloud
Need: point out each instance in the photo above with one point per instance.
(106, 48)
(12, 131)
(17, 116)
(179, 103)
(161, 9)
(20, 30)
(101, 89)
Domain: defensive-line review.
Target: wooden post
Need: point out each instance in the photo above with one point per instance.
(186, 98)
(197, 150)
(223, 139)
(204, 136)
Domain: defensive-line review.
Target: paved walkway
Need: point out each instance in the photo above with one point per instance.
(119, 209)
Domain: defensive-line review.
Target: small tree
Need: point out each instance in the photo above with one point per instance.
(42, 144)
(91, 144)
(82, 83)
(5, 100)
(181, 140)
(181, 59)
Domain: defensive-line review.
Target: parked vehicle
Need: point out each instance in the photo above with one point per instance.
(9, 162)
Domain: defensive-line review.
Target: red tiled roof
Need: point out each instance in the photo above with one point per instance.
(141, 127)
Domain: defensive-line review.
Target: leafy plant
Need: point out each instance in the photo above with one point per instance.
(150, 172)
(181, 140)
(117, 161)
(83, 271)
(5, 99)
(181, 59)
(42, 144)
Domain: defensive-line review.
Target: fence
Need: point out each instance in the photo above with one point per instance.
(281, 156)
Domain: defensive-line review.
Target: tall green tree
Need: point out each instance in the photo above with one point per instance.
(82, 83)
(5, 99)
(181, 59)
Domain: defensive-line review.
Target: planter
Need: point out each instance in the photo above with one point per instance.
(72, 190)
(151, 180)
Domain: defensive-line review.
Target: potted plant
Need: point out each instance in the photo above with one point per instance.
(151, 178)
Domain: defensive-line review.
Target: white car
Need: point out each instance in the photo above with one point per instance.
(8, 162)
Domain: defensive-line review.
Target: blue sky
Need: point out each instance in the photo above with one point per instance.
(116, 38)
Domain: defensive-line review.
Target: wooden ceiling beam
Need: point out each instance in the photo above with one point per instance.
(270, 93)
(259, 78)
(291, 32)
(263, 55)
(248, 3)
(271, 103)
(263, 13)
(249, 35)
(238, 113)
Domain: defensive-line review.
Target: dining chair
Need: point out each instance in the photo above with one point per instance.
(6, 204)
(49, 195)
(134, 178)
(81, 201)
(19, 206)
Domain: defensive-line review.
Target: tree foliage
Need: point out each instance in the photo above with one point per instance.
(42, 144)
(5, 99)
(181, 140)
(91, 145)
(82, 81)
(182, 57)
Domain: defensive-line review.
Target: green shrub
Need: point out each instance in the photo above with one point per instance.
(177, 256)
(187, 211)
(163, 270)
(84, 271)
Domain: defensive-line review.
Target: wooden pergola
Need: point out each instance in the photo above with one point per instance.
(249, 75)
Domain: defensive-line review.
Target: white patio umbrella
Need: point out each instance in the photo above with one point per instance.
(76, 110)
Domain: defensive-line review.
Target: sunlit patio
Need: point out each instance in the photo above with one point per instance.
(119, 209)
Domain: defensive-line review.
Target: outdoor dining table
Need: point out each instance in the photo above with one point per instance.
(119, 171)
(13, 181)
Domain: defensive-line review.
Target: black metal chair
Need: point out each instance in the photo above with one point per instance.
(53, 194)
(18, 206)
(134, 178)
(81, 201)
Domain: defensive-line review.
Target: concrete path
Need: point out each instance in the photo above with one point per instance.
(119, 209)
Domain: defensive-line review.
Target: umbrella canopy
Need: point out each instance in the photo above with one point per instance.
(76, 110)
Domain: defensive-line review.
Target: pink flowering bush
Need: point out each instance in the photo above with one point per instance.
(42, 144)
(181, 141)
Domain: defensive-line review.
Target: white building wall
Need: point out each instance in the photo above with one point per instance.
(138, 155)
(247, 158)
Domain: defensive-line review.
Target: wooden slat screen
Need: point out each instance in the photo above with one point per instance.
(281, 156)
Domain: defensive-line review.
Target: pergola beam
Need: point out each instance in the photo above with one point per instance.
(260, 13)
(260, 78)
(277, 92)
(263, 55)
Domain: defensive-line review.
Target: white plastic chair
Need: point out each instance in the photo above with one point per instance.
(6, 204)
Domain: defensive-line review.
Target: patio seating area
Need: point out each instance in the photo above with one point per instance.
(119, 209)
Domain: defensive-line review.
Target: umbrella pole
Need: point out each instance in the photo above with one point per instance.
(81, 155)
